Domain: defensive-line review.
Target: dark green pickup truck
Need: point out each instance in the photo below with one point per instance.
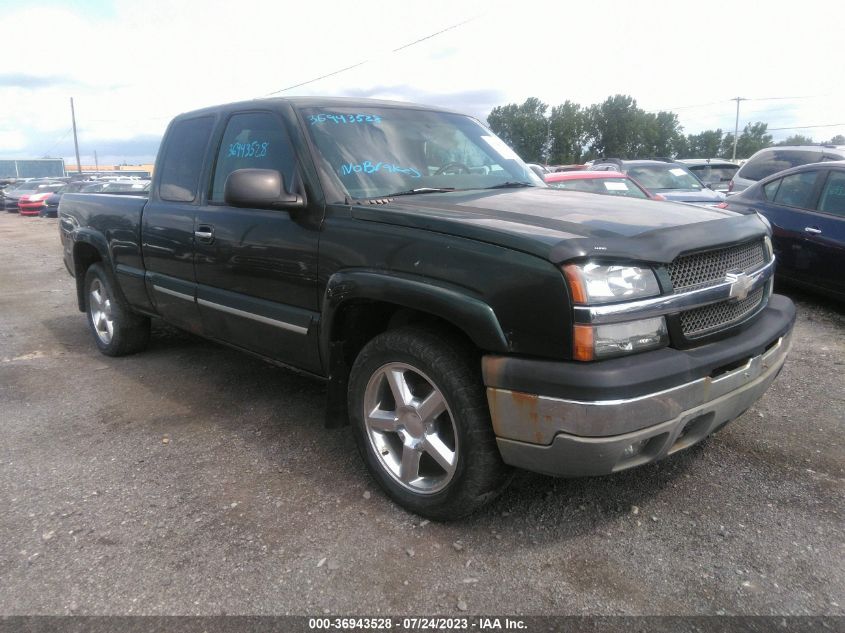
(465, 317)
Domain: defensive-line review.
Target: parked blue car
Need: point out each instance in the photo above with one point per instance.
(806, 207)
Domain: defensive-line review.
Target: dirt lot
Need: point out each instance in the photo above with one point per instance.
(192, 479)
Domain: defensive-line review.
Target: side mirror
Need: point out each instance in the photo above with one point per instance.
(259, 189)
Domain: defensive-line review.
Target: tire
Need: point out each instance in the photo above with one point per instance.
(117, 330)
(435, 452)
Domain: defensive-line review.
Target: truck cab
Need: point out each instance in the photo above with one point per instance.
(466, 318)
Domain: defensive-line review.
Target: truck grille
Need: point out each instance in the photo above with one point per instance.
(717, 316)
(710, 267)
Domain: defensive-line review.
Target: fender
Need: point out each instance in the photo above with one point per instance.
(95, 239)
(88, 236)
(451, 303)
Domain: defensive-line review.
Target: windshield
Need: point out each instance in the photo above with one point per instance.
(376, 152)
(606, 186)
(664, 177)
(714, 174)
(37, 187)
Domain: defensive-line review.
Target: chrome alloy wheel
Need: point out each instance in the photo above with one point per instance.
(100, 309)
(411, 428)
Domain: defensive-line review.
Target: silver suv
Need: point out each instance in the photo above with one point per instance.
(774, 159)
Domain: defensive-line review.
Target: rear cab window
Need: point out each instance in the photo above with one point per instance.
(182, 163)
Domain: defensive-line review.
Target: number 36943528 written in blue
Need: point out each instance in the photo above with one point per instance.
(248, 150)
(339, 119)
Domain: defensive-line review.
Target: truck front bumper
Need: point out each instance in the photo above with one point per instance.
(598, 418)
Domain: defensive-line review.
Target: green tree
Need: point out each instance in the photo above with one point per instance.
(524, 127)
(617, 127)
(797, 139)
(566, 122)
(681, 149)
(613, 127)
(837, 140)
(666, 133)
(706, 144)
(753, 139)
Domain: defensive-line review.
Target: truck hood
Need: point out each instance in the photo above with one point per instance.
(563, 225)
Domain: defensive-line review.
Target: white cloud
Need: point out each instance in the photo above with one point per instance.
(12, 140)
(132, 68)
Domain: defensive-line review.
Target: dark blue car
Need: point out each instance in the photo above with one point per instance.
(806, 207)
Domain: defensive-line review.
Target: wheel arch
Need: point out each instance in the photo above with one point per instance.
(359, 305)
(88, 249)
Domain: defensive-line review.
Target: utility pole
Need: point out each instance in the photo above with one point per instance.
(736, 125)
(75, 141)
(96, 162)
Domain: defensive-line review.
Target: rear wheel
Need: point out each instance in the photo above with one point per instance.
(117, 330)
(422, 425)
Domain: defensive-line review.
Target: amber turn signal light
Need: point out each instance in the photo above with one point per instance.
(582, 342)
(576, 286)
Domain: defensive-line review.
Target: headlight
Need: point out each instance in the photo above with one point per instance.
(595, 342)
(592, 283)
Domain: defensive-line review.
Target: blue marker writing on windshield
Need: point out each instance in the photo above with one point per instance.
(368, 167)
(339, 119)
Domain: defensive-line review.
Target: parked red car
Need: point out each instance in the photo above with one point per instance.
(33, 203)
(609, 183)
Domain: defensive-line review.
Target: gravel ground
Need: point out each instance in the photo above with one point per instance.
(192, 479)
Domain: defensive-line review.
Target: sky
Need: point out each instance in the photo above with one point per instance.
(132, 65)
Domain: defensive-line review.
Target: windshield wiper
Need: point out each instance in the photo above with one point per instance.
(413, 192)
(512, 184)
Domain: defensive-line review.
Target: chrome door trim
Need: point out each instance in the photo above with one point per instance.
(173, 293)
(255, 317)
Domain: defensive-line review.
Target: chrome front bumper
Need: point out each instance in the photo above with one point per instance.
(577, 438)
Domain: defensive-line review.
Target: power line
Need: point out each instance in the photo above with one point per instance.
(63, 137)
(311, 81)
(361, 63)
(804, 127)
(689, 107)
(428, 37)
(726, 101)
(787, 98)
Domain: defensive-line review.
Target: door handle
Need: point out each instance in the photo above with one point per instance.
(204, 233)
(812, 230)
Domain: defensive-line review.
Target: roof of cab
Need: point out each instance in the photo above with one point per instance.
(310, 102)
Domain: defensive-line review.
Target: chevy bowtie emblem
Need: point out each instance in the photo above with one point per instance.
(740, 285)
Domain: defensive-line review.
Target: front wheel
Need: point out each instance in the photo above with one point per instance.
(117, 330)
(420, 417)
